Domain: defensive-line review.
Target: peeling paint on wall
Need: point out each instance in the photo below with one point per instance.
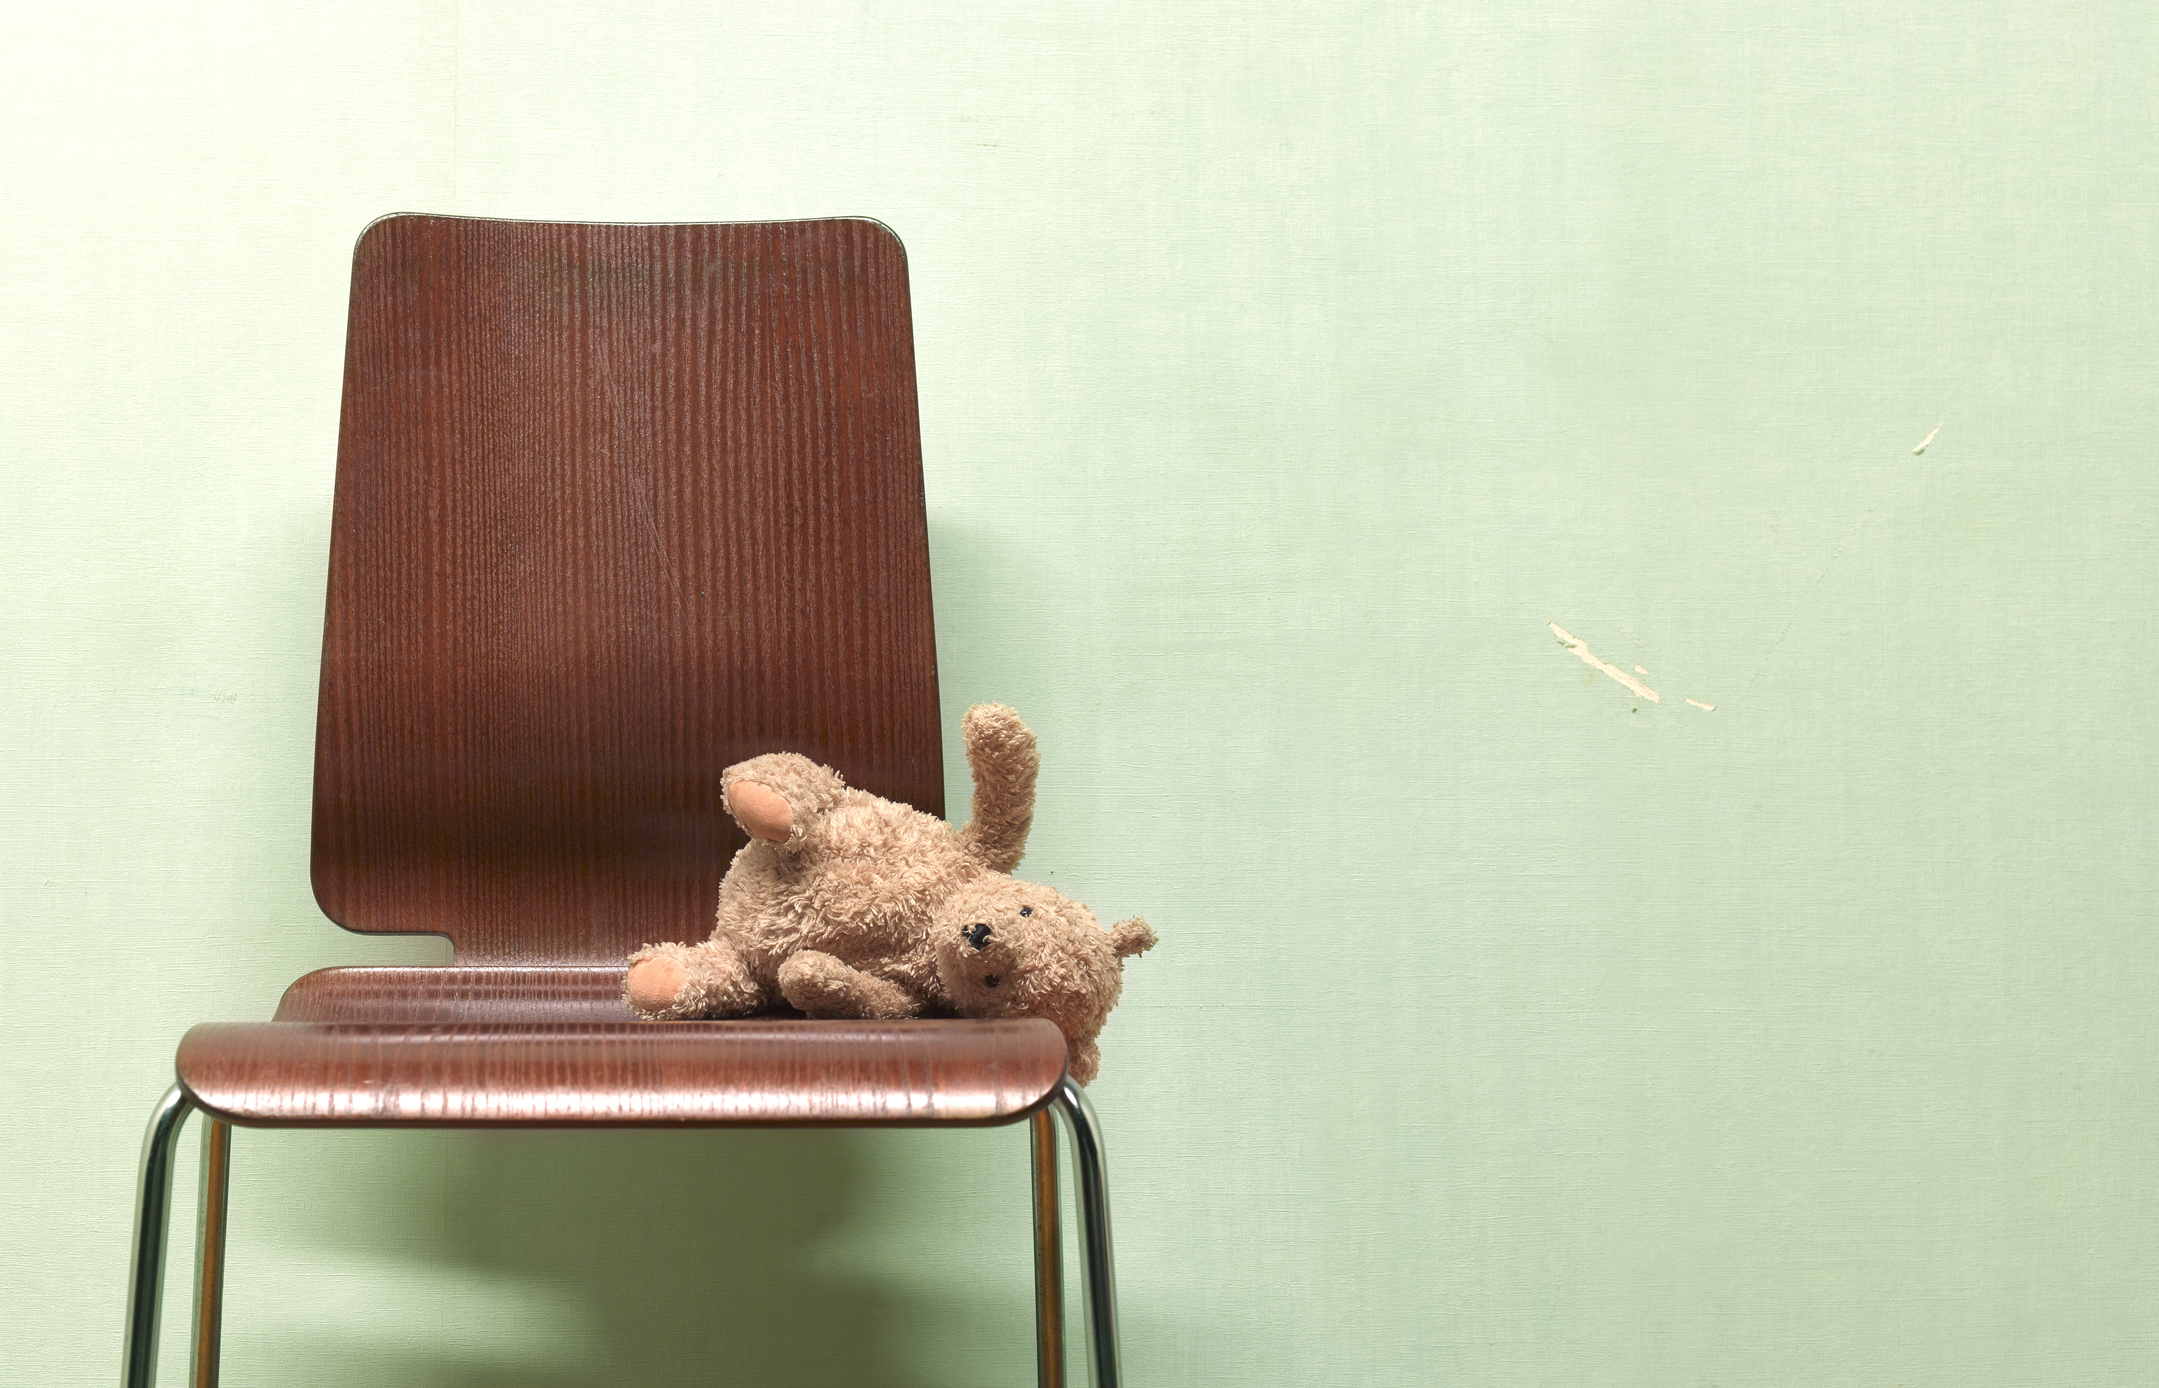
(1581, 648)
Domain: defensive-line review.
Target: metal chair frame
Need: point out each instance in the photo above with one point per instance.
(153, 1220)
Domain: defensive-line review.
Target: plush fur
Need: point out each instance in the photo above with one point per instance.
(847, 905)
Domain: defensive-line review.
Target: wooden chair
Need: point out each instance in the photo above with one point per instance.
(617, 506)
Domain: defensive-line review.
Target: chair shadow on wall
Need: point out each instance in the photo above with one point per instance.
(700, 1257)
(688, 1253)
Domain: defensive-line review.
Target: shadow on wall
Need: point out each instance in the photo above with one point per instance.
(776, 1257)
(693, 1257)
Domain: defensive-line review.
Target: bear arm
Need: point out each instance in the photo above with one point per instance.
(826, 987)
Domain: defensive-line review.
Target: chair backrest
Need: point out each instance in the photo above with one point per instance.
(617, 506)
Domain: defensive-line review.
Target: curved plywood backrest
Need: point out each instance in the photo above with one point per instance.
(617, 506)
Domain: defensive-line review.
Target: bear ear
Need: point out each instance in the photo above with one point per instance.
(1129, 937)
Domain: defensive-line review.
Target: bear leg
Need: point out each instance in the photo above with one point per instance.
(780, 796)
(1001, 753)
(1083, 1059)
(823, 986)
(671, 982)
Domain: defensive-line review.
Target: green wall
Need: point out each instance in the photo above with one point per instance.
(1286, 371)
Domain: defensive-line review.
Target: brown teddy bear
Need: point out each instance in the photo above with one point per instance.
(846, 905)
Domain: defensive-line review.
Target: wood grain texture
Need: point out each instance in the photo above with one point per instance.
(488, 994)
(617, 506)
(622, 1074)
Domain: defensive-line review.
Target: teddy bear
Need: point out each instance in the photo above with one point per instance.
(847, 905)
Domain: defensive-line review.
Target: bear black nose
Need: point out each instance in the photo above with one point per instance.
(977, 934)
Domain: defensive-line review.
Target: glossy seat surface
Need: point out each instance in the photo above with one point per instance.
(557, 1047)
(489, 995)
(621, 1073)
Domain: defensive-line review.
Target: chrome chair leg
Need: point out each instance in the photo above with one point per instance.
(1097, 1264)
(1049, 1255)
(153, 1218)
(153, 1213)
(210, 1251)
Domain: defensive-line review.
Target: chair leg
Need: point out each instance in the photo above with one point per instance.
(1049, 1256)
(210, 1250)
(153, 1218)
(153, 1213)
(1100, 1270)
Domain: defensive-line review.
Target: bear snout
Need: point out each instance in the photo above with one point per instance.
(977, 934)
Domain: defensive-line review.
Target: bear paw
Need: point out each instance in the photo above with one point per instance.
(667, 983)
(778, 798)
(654, 984)
(761, 811)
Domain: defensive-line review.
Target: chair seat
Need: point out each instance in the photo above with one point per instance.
(488, 993)
(556, 1048)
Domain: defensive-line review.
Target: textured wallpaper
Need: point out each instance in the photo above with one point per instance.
(1589, 567)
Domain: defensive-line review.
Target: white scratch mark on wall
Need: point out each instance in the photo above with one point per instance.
(1640, 671)
(1700, 705)
(1927, 440)
(1581, 648)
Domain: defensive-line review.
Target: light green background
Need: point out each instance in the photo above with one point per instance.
(1285, 370)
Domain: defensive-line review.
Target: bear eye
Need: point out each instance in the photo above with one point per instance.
(1027, 910)
(991, 980)
(977, 934)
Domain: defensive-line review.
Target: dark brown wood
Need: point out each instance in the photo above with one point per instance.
(495, 996)
(617, 506)
(622, 1074)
